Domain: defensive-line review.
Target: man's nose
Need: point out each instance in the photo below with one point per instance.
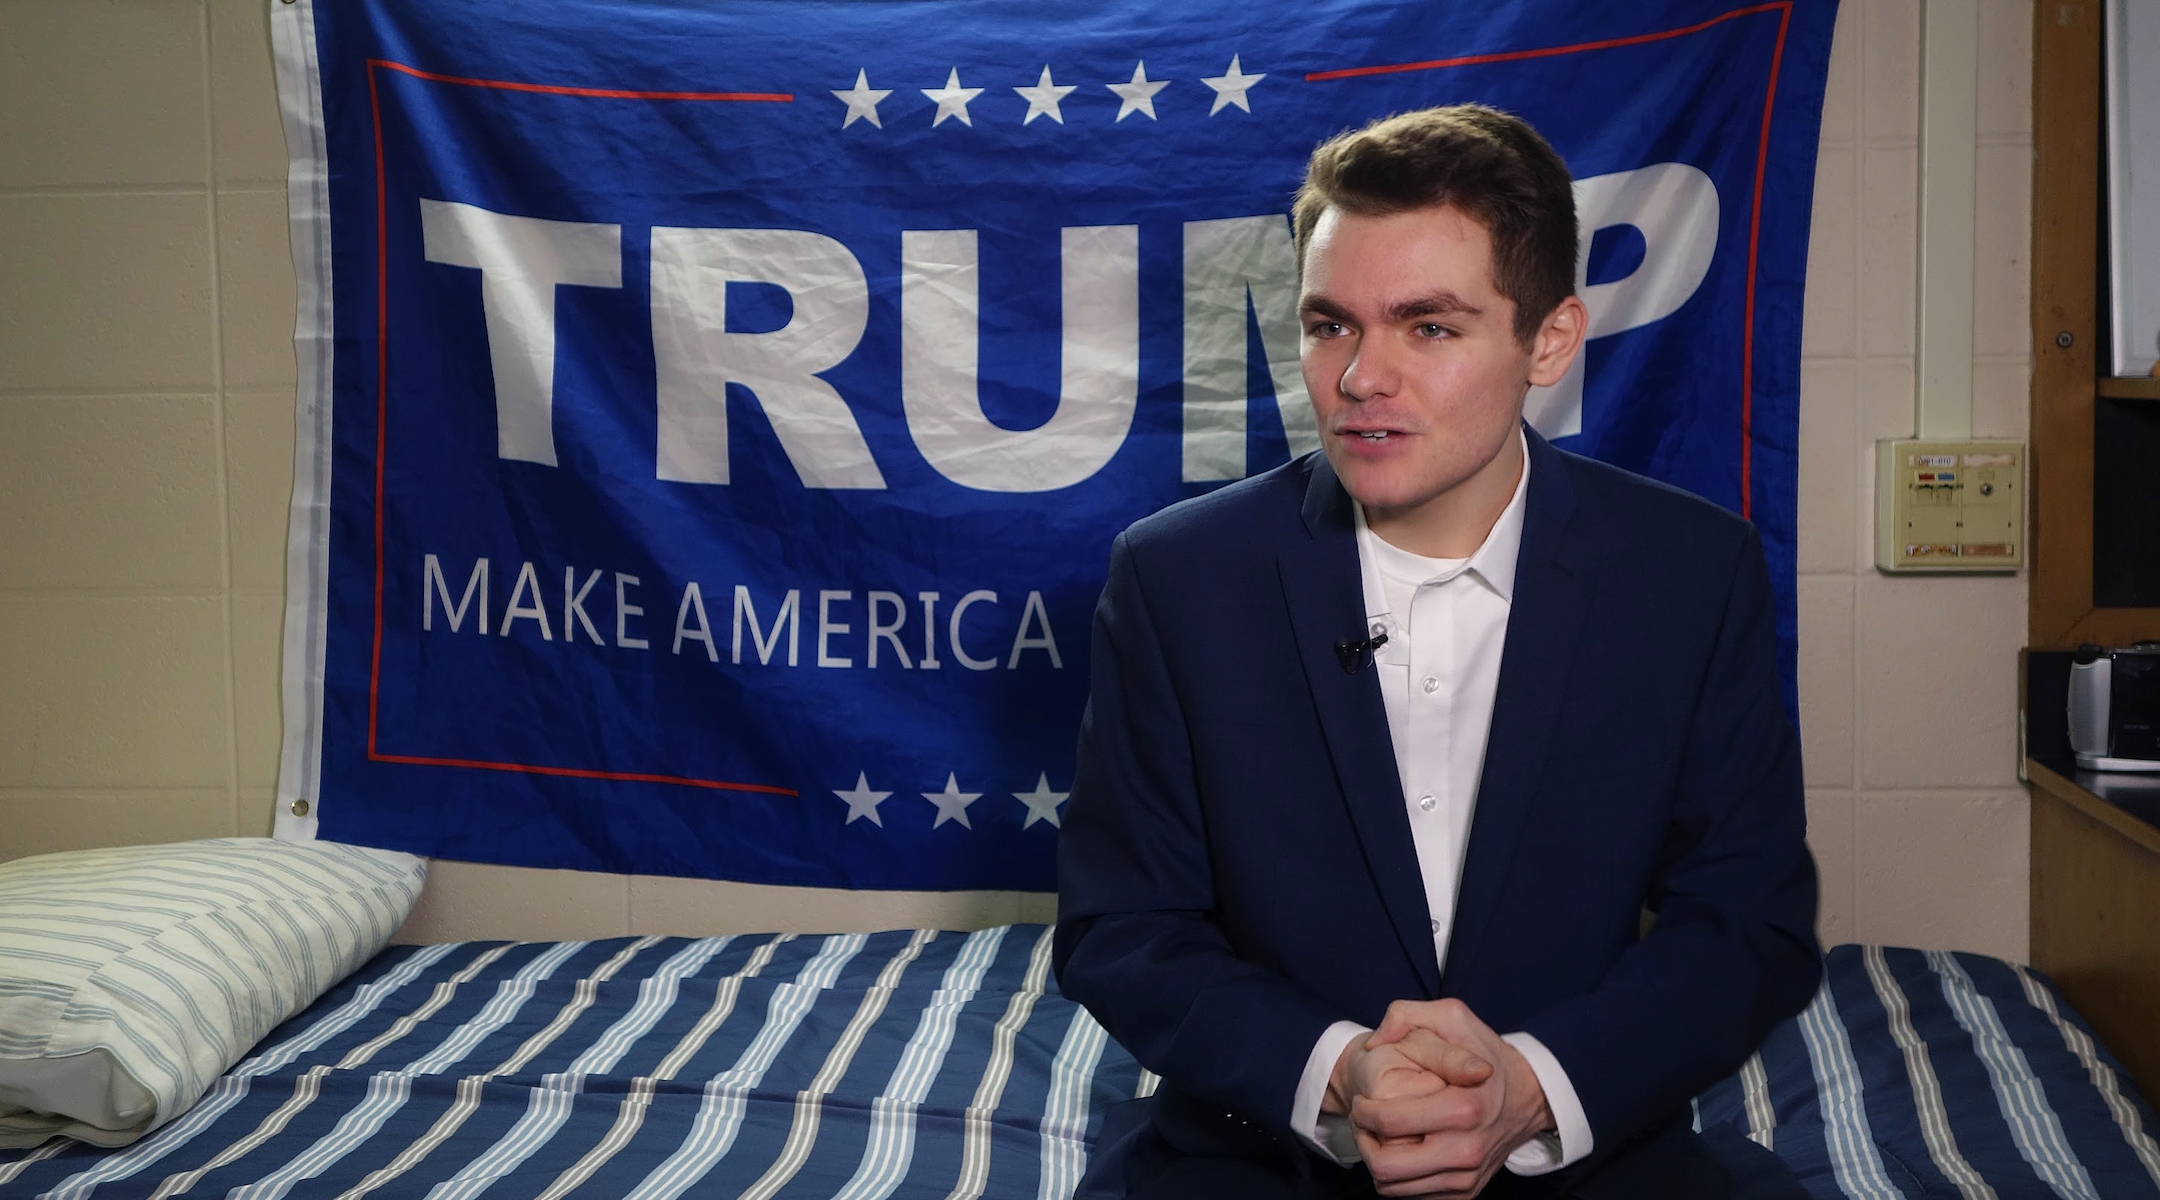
(1373, 371)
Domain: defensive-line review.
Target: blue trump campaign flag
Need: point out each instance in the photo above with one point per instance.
(715, 417)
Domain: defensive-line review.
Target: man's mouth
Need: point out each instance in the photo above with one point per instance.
(1371, 435)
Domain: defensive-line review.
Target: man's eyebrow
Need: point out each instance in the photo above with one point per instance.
(1321, 306)
(1442, 303)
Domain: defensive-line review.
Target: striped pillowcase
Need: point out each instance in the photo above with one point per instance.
(132, 977)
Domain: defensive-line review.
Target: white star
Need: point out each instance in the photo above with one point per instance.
(952, 802)
(1043, 98)
(952, 100)
(862, 101)
(1231, 88)
(1139, 94)
(1042, 803)
(862, 802)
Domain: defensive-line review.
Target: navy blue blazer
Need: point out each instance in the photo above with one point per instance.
(1236, 870)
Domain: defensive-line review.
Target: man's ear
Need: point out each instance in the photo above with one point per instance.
(1558, 341)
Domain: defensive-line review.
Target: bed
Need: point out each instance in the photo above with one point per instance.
(946, 1065)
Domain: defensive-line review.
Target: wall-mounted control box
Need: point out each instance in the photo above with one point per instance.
(1949, 506)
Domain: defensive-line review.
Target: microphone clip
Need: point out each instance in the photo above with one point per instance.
(1353, 655)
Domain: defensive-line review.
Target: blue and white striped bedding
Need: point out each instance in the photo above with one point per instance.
(1924, 1073)
(946, 1066)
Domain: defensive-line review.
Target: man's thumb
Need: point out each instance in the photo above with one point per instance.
(1464, 1069)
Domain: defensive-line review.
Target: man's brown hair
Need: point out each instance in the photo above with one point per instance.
(1488, 164)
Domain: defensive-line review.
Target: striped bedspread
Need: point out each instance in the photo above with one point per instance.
(946, 1066)
(1929, 1074)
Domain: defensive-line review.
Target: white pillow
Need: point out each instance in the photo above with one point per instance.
(131, 978)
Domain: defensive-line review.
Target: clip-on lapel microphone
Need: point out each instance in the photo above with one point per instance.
(1353, 655)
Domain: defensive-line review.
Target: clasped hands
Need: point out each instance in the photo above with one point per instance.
(1436, 1100)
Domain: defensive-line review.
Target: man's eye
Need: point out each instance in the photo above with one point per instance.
(1326, 329)
(1430, 330)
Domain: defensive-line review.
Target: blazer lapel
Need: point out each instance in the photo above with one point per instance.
(1326, 597)
(1545, 623)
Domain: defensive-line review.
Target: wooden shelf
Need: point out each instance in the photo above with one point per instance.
(2129, 388)
(2095, 881)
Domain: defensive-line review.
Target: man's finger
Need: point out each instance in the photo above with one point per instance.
(1451, 1019)
(1448, 1185)
(1448, 1110)
(1453, 1186)
(1399, 1082)
(1441, 1163)
(1441, 1185)
(1456, 1064)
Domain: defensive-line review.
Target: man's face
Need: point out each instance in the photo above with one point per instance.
(1410, 354)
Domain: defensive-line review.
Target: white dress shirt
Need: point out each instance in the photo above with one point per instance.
(1446, 622)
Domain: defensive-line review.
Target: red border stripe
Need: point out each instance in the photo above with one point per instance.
(382, 426)
(1747, 341)
(581, 773)
(1782, 7)
(382, 392)
(1547, 51)
(590, 93)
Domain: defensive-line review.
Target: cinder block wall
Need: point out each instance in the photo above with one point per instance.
(1908, 705)
(146, 377)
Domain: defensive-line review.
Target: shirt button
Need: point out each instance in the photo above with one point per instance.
(1431, 685)
(1426, 802)
(1436, 926)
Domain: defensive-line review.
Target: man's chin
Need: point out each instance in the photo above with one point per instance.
(1383, 489)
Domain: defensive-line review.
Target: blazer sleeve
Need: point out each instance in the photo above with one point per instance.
(1733, 950)
(1135, 940)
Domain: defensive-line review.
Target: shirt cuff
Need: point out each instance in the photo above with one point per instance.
(1549, 1152)
(1328, 1136)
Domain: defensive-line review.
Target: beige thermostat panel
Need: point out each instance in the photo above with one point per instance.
(1949, 506)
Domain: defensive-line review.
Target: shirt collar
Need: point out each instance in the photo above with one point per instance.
(1494, 559)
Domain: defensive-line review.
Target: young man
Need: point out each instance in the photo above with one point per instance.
(1390, 749)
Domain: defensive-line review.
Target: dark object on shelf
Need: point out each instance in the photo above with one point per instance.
(2114, 708)
(2126, 504)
